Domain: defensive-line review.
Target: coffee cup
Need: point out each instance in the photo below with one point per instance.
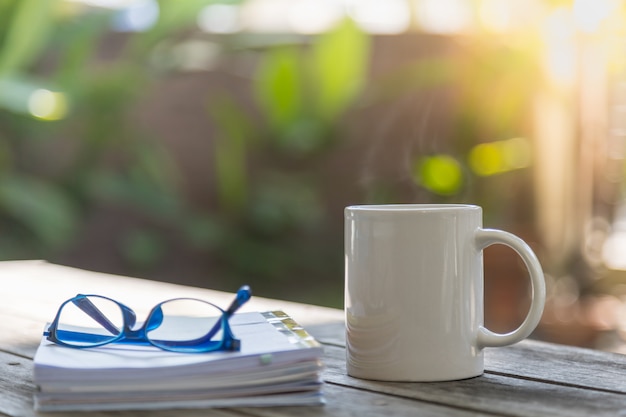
(414, 291)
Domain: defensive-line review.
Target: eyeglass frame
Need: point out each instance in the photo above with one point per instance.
(139, 336)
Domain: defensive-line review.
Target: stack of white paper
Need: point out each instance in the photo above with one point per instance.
(278, 364)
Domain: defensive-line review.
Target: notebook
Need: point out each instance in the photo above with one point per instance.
(279, 364)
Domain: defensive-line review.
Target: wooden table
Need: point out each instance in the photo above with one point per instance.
(529, 379)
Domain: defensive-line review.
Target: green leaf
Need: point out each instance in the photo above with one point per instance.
(41, 207)
(231, 153)
(77, 39)
(26, 34)
(339, 64)
(15, 92)
(278, 87)
(5, 16)
(173, 14)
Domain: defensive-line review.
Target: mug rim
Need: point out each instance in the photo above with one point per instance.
(381, 208)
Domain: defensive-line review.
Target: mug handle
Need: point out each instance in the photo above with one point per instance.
(487, 338)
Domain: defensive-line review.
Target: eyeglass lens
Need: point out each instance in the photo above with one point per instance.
(184, 320)
(89, 321)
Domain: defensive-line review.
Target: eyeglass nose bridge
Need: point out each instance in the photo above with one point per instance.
(135, 335)
(130, 317)
(129, 332)
(155, 319)
(140, 333)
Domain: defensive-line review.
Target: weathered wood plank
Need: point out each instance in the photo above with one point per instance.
(497, 394)
(19, 335)
(31, 292)
(566, 365)
(329, 333)
(35, 289)
(17, 388)
(533, 359)
(349, 402)
(527, 379)
(594, 366)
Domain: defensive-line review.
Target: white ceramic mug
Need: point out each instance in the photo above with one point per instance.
(414, 291)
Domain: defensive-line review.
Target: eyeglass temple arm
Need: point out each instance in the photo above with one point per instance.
(243, 294)
(90, 308)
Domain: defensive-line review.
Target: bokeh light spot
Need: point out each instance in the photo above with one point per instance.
(589, 14)
(220, 18)
(440, 174)
(47, 105)
(516, 153)
(384, 17)
(498, 157)
(486, 159)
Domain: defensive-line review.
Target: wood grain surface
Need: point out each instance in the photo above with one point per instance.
(531, 378)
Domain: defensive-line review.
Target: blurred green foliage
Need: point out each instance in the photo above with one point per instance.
(76, 149)
(56, 170)
(269, 217)
(301, 93)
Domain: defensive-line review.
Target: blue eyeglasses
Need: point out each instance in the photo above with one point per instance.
(185, 325)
